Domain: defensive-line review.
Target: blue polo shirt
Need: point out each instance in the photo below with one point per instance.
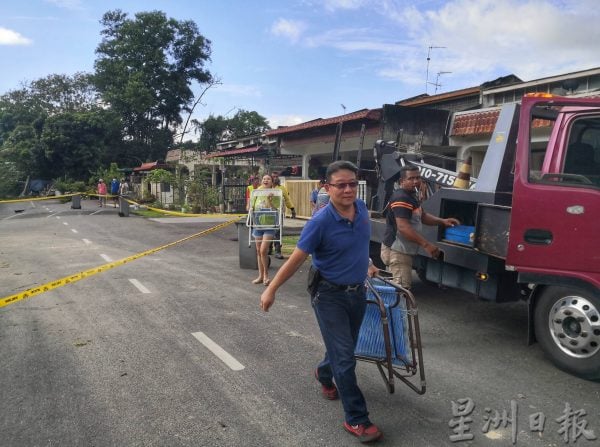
(339, 247)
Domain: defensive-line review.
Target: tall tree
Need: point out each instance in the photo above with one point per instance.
(245, 123)
(78, 143)
(58, 93)
(218, 128)
(144, 71)
(54, 127)
(211, 131)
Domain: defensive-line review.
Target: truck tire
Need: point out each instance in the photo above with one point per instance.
(567, 326)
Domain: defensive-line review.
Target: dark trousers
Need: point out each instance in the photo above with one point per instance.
(339, 314)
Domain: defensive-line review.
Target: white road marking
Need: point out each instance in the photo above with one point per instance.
(139, 286)
(58, 217)
(65, 223)
(73, 230)
(105, 257)
(223, 355)
(96, 212)
(87, 241)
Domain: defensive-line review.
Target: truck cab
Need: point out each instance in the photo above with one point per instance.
(554, 242)
(531, 224)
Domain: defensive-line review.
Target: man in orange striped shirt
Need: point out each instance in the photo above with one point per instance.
(404, 221)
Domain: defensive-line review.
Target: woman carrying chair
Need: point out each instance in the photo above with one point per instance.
(264, 209)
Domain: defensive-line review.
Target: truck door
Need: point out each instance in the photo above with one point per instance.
(555, 222)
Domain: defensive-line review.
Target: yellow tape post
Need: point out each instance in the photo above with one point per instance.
(93, 271)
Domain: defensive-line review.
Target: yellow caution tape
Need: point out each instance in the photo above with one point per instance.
(133, 202)
(81, 275)
(30, 199)
(177, 213)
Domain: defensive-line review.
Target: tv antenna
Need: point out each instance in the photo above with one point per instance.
(437, 79)
(431, 47)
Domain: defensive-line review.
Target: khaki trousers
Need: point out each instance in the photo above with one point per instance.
(399, 264)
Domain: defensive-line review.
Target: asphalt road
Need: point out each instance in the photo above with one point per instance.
(111, 360)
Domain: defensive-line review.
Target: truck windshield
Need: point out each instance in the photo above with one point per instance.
(580, 163)
(582, 160)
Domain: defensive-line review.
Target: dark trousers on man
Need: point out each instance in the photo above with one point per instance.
(340, 314)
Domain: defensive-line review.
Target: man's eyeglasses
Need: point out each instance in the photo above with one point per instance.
(352, 185)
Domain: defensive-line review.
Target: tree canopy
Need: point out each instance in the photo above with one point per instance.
(144, 71)
(218, 128)
(125, 112)
(54, 127)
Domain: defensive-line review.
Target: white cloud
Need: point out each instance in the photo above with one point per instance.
(333, 5)
(531, 38)
(483, 39)
(240, 90)
(287, 120)
(74, 5)
(290, 29)
(355, 39)
(10, 37)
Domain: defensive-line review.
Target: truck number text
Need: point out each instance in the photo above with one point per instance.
(439, 177)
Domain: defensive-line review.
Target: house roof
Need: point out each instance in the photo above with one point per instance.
(546, 80)
(149, 166)
(422, 100)
(371, 114)
(476, 123)
(243, 150)
(482, 123)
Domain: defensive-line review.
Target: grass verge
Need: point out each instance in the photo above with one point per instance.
(148, 213)
(288, 243)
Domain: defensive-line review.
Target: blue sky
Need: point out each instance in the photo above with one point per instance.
(297, 60)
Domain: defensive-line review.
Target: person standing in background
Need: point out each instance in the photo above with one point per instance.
(404, 221)
(313, 196)
(288, 204)
(322, 199)
(114, 191)
(124, 188)
(254, 181)
(262, 208)
(101, 189)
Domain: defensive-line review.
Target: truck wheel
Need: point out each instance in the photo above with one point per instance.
(567, 326)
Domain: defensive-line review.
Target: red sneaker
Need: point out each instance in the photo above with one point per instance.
(329, 393)
(366, 432)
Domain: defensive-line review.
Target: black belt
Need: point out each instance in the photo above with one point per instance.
(343, 287)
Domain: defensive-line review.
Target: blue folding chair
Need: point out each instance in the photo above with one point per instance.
(390, 336)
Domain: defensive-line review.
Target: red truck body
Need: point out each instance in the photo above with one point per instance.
(532, 224)
(570, 213)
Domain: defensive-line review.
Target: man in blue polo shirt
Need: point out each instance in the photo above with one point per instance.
(338, 239)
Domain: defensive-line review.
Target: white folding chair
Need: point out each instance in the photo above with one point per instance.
(265, 215)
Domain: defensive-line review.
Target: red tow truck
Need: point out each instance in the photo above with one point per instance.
(530, 224)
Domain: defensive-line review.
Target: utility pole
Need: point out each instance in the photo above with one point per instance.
(431, 47)
(338, 138)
